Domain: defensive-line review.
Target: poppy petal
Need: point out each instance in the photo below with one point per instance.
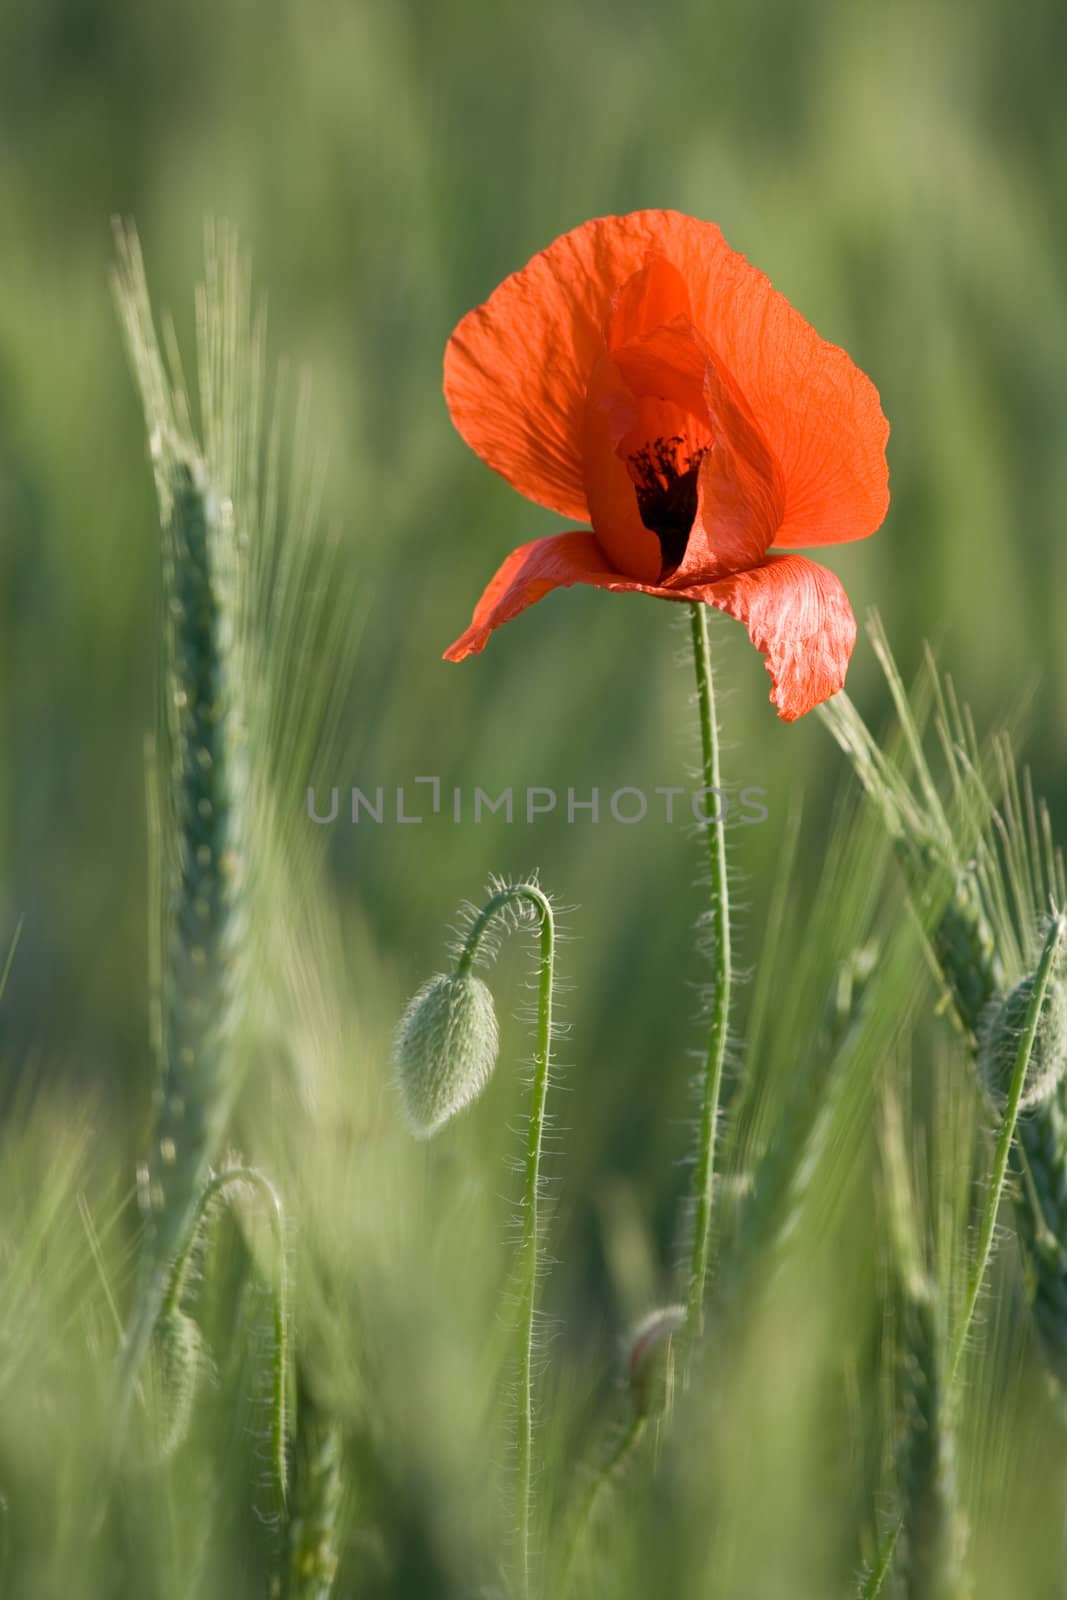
(820, 415)
(740, 491)
(517, 369)
(528, 574)
(534, 570)
(651, 389)
(647, 300)
(798, 617)
(796, 612)
(741, 494)
(609, 414)
(670, 361)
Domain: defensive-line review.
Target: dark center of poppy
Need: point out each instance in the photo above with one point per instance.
(664, 476)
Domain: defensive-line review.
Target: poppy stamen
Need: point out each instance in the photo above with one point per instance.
(665, 476)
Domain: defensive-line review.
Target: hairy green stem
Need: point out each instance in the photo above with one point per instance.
(530, 1246)
(715, 833)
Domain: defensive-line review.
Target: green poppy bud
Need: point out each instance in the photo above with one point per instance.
(179, 1360)
(1002, 1031)
(445, 1050)
(650, 1360)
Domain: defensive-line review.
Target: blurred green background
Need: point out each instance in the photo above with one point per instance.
(896, 170)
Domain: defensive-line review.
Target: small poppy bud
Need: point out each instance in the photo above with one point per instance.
(179, 1351)
(650, 1360)
(445, 1050)
(1003, 1030)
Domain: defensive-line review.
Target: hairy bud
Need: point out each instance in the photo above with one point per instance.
(445, 1050)
(650, 1360)
(1002, 1031)
(179, 1360)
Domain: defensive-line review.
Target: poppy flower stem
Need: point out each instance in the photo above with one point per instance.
(530, 1242)
(715, 835)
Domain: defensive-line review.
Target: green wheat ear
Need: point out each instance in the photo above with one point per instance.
(202, 806)
(927, 1459)
(1039, 1163)
(204, 944)
(982, 875)
(931, 1549)
(204, 863)
(221, 541)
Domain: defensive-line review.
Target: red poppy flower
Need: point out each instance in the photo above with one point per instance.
(640, 376)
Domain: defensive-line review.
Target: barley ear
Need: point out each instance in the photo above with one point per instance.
(1039, 1165)
(930, 1549)
(204, 935)
(930, 1562)
(204, 869)
(202, 808)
